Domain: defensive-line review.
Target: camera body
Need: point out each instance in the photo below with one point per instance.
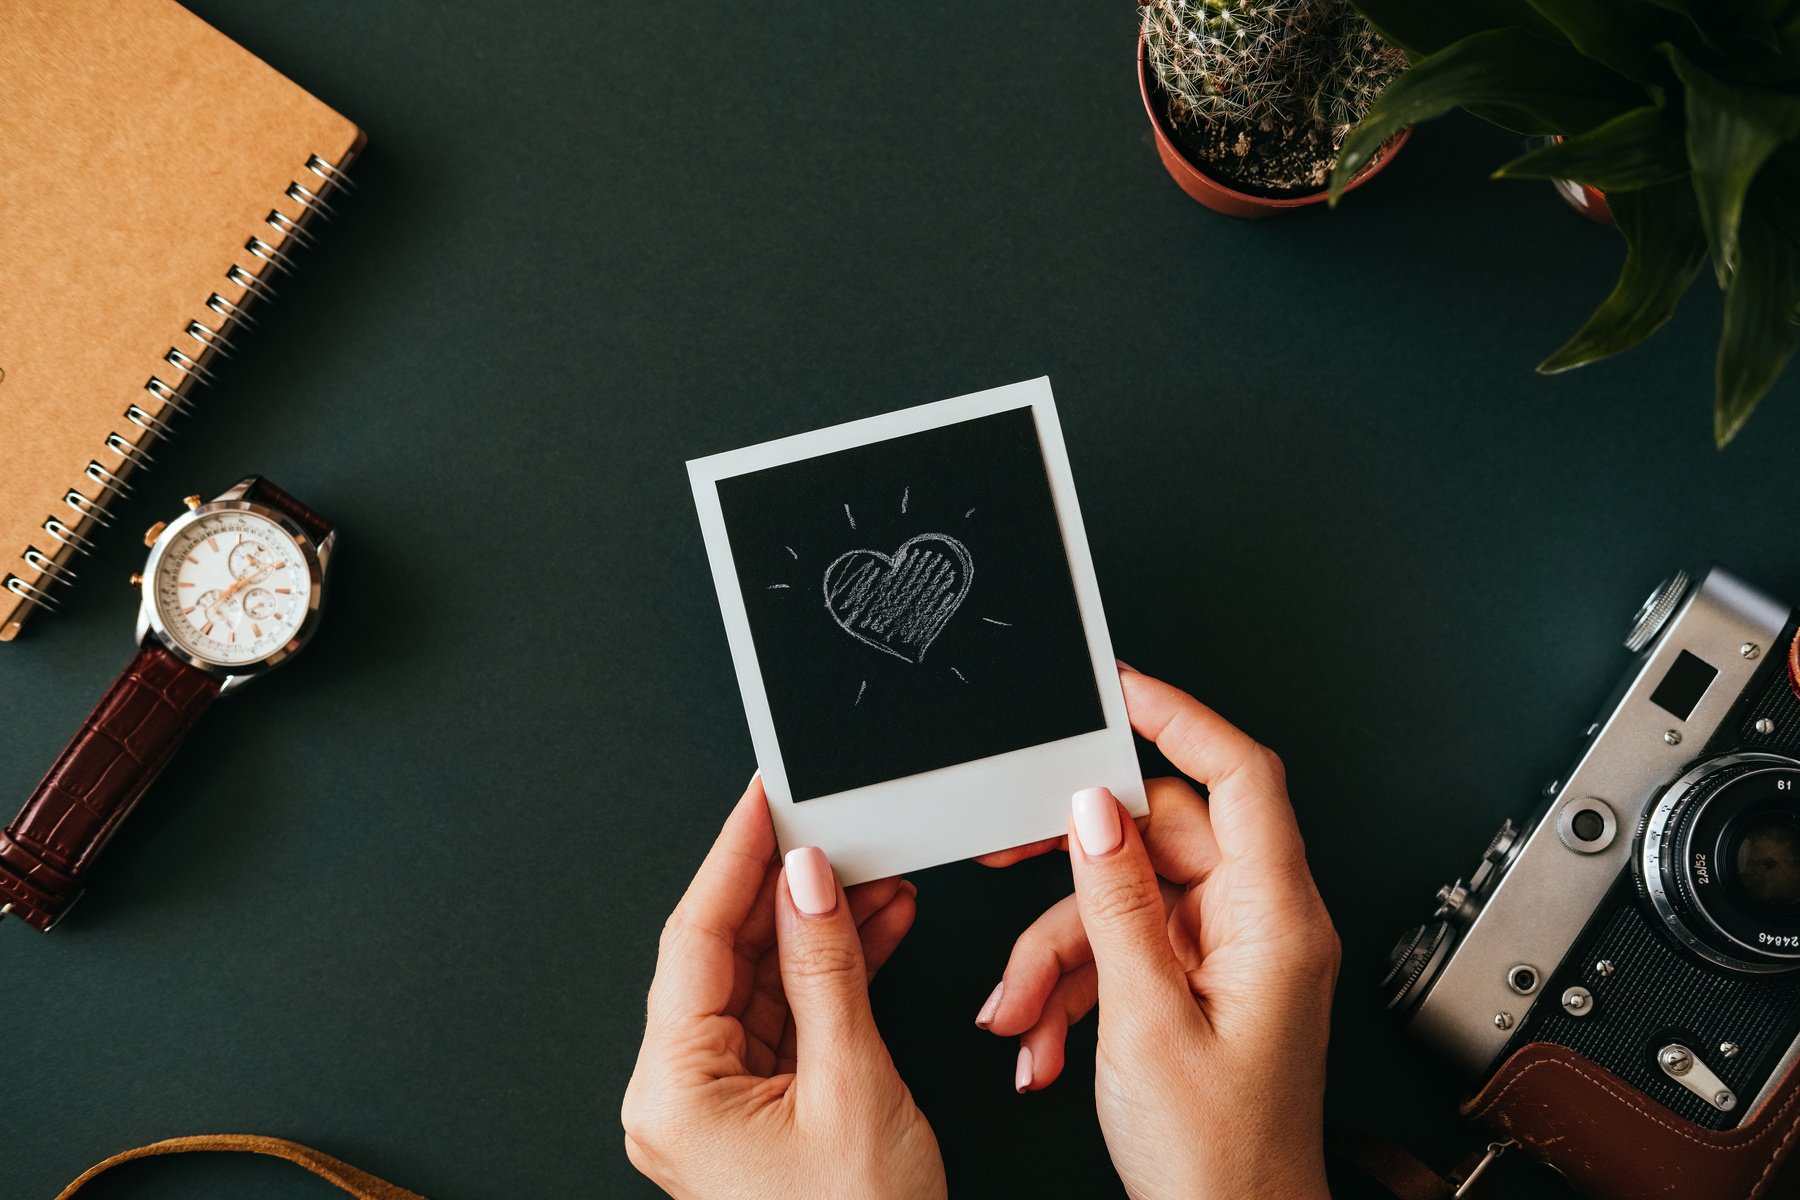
(1648, 917)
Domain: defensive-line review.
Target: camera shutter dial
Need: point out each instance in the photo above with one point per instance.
(1655, 612)
(1414, 961)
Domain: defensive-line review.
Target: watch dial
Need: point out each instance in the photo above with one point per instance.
(232, 588)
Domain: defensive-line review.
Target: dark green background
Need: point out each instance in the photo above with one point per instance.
(401, 900)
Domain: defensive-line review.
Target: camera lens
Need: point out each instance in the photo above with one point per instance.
(1719, 860)
(1766, 858)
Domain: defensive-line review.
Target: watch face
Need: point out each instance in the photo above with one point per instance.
(232, 588)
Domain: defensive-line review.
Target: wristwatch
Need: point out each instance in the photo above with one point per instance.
(232, 588)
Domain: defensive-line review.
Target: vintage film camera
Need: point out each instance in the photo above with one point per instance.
(1647, 919)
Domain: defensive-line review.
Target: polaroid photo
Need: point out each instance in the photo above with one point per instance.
(917, 631)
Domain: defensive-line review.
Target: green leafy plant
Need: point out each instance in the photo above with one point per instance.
(1273, 85)
(1685, 113)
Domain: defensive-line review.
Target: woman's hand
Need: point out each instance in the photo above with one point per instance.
(762, 1073)
(1212, 959)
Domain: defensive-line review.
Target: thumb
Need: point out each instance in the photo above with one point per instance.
(1122, 908)
(824, 976)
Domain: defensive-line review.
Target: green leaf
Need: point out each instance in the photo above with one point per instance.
(1425, 28)
(1733, 29)
(1549, 82)
(1731, 131)
(1759, 334)
(1634, 150)
(1602, 30)
(1664, 249)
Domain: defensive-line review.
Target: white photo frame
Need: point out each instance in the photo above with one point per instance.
(953, 812)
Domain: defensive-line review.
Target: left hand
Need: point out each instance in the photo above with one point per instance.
(761, 1072)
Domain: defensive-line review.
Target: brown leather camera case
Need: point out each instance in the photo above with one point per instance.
(1614, 1143)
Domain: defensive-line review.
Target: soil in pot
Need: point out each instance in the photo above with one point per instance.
(1273, 159)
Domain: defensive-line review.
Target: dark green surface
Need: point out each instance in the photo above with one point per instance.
(401, 900)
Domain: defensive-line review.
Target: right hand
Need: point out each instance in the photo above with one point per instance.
(1209, 952)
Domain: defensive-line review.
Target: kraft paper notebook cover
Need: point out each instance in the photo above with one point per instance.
(154, 178)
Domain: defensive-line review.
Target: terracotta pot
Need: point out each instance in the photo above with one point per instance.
(1221, 197)
(1589, 201)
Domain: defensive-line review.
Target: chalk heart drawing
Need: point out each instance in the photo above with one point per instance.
(899, 602)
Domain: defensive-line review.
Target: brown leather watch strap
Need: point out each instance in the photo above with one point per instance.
(261, 491)
(341, 1175)
(122, 747)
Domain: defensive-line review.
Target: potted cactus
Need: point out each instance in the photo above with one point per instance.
(1685, 116)
(1249, 99)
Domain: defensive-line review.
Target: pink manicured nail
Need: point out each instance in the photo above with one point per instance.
(1096, 821)
(990, 1006)
(1125, 666)
(754, 776)
(810, 881)
(1022, 1076)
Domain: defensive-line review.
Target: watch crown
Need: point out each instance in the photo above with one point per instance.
(154, 532)
(192, 502)
(137, 580)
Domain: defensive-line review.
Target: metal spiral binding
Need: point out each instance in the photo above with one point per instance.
(211, 337)
(105, 478)
(48, 566)
(166, 395)
(85, 507)
(151, 424)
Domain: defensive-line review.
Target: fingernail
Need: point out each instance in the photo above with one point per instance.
(906, 885)
(1022, 1076)
(754, 776)
(1096, 821)
(810, 882)
(990, 1006)
(1125, 666)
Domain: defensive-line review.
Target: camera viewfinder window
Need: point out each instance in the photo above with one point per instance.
(1683, 686)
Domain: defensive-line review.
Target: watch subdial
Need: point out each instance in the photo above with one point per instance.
(247, 558)
(259, 604)
(215, 606)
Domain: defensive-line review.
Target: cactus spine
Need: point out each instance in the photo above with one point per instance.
(1249, 72)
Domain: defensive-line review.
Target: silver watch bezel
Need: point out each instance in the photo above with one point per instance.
(317, 556)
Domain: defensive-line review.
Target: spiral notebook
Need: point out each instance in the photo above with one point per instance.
(154, 178)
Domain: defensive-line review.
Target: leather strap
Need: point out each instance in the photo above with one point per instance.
(124, 744)
(261, 491)
(1614, 1143)
(342, 1175)
(1405, 1175)
(1397, 1170)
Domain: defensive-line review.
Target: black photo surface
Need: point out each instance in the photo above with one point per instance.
(911, 604)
